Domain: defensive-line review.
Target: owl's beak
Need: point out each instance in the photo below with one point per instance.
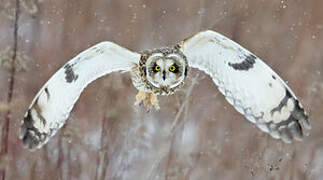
(164, 75)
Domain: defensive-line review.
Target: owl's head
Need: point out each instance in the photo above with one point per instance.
(165, 69)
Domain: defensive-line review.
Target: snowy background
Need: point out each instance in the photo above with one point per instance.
(196, 134)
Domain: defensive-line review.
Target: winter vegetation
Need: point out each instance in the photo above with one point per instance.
(196, 134)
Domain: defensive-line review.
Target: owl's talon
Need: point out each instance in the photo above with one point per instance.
(148, 100)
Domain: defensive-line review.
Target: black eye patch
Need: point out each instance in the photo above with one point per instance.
(174, 68)
(155, 68)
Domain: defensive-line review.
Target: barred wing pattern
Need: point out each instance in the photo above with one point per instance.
(248, 84)
(55, 100)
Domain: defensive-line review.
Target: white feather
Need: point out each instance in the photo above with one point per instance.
(257, 88)
(251, 86)
(56, 98)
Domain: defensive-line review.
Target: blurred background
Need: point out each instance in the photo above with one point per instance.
(196, 134)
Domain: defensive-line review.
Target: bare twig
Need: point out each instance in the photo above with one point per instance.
(102, 158)
(174, 127)
(5, 127)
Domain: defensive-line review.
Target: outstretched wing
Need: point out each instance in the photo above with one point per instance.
(247, 83)
(55, 100)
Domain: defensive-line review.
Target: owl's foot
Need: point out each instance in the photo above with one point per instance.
(149, 100)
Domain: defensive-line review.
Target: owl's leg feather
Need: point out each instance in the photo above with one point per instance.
(149, 100)
(141, 98)
(153, 101)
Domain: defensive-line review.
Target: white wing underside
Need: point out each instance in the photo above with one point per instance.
(55, 100)
(248, 84)
(251, 86)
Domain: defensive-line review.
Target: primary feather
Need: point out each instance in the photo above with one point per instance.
(251, 86)
(55, 100)
(248, 84)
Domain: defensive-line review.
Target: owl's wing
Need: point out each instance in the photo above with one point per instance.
(248, 84)
(55, 100)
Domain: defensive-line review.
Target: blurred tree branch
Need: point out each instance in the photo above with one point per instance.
(6, 125)
(176, 125)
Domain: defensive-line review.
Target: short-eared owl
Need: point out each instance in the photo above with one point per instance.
(247, 83)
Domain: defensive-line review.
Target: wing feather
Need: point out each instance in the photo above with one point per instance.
(248, 84)
(55, 100)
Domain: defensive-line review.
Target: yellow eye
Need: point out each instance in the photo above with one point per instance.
(172, 68)
(157, 68)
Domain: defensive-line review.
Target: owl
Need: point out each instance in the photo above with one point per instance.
(247, 83)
